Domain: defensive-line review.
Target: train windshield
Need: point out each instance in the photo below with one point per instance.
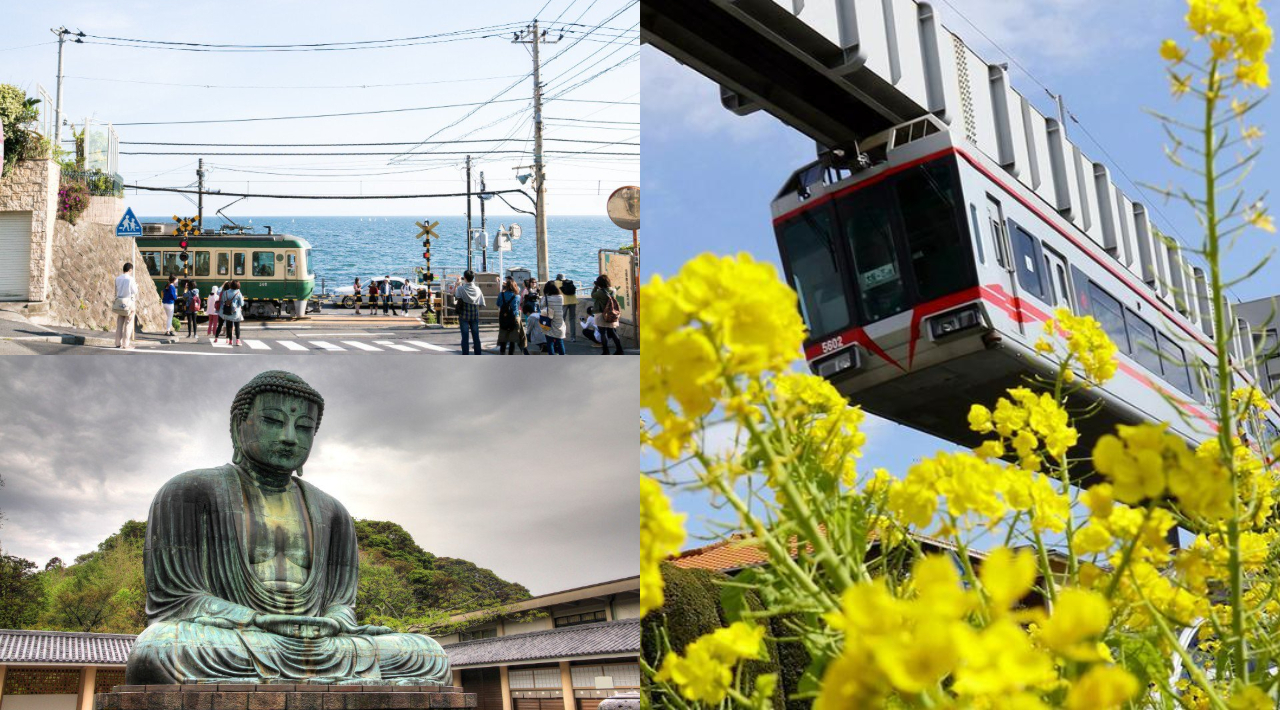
(809, 245)
(878, 250)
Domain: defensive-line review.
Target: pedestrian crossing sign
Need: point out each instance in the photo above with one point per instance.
(129, 225)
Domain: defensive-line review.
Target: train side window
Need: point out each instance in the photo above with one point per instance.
(939, 255)
(264, 264)
(809, 247)
(1059, 285)
(201, 263)
(868, 227)
(172, 266)
(224, 263)
(239, 263)
(1175, 364)
(307, 259)
(977, 234)
(151, 259)
(291, 265)
(1026, 262)
(1143, 339)
(1110, 314)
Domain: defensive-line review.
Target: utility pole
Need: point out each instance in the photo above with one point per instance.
(200, 196)
(484, 250)
(468, 213)
(532, 35)
(62, 33)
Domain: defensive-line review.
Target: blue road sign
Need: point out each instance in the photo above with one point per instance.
(129, 225)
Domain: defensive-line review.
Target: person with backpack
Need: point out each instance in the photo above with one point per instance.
(232, 310)
(191, 309)
(359, 294)
(406, 295)
(608, 313)
(529, 294)
(510, 326)
(167, 299)
(211, 309)
(554, 319)
(569, 291)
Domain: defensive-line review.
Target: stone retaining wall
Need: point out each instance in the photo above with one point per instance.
(87, 258)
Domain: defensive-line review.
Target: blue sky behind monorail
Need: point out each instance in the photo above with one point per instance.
(710, 175)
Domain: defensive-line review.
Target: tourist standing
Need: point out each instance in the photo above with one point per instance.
(167, 299)
(406, 295)
(388, 304)
(373, 297)
(555, 314)
(232, 310)
(223, 323)
(569, 291)
(359, 293)
(211, 308)
(529, 294)
(604, 299)
(510, 324)
(191, 308)
(124, 306)
(469, 300)
(533, 329)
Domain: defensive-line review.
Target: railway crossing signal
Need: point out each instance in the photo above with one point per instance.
(427, 233)
(428, 230)
(185, 229)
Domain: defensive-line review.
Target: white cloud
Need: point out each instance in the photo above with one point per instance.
(679, 101)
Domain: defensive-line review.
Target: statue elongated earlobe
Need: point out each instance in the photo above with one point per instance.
(237, 458)
(298, 473)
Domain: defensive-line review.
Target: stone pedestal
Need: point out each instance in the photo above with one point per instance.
(282, 696)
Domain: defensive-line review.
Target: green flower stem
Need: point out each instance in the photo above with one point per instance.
(1128, 555)
(1213, 256)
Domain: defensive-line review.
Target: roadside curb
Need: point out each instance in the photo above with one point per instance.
(90, 340)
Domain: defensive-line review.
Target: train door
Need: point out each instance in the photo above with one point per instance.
(999, 230)
(238, 261)
(222, 265)
(1059, 283)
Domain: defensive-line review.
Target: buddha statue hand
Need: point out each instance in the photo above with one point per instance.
(364, 629)
(301, 627)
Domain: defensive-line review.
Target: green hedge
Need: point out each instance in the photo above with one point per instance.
(691, 609)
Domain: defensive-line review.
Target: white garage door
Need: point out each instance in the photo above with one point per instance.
(15, 256)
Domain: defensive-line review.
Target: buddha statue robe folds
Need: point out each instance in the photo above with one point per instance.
(251, 575)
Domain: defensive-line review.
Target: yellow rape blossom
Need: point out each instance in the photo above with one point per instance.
(1007, 576)
(661, 535)
(1075, 628)
(705, 670)
(1087, 343)
(1237, 31)
(1171, 52)
(1102, 688)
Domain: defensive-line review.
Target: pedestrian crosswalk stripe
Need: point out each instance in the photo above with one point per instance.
(326, 346)
(290, 345)
(221, 345)
(429, 346)
(362, 346)
(257, 344)
(395, 346)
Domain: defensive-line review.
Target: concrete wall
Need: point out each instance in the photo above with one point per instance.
(86, 259)
(38, 702)
(32, 186)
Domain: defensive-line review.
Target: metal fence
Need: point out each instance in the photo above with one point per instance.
(101, 146)
(98, 182)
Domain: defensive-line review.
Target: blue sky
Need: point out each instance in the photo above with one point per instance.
(710, 175)
(122, 85)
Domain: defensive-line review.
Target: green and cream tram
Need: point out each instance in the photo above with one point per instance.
(274, 270)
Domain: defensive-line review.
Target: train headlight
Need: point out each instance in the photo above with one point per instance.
(956, 321)
(832, 366)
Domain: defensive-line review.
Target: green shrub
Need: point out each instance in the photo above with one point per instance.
(17, 110)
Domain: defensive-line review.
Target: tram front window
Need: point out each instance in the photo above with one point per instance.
(808, 244)
(868, 227)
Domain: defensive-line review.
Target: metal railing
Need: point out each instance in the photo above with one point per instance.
(97, 181)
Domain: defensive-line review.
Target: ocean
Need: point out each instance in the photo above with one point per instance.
(346, 247)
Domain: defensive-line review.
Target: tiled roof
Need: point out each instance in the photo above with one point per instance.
(739, 551)
(63, 647)
(609, 637)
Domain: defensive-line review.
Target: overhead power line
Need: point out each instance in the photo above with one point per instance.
(307, 86)
(456, 35)
(357, 113)
(185, 191)
(592, 120)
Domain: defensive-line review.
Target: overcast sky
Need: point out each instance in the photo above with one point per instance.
(111, 82)
(528, 471)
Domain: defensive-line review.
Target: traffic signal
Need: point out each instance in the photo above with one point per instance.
(426, 255)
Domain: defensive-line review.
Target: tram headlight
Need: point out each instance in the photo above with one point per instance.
(955, 321)
(832, 366)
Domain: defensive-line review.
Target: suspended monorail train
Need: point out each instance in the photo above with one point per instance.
(925, 271)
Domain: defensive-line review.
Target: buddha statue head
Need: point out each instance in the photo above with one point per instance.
(274, 418)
